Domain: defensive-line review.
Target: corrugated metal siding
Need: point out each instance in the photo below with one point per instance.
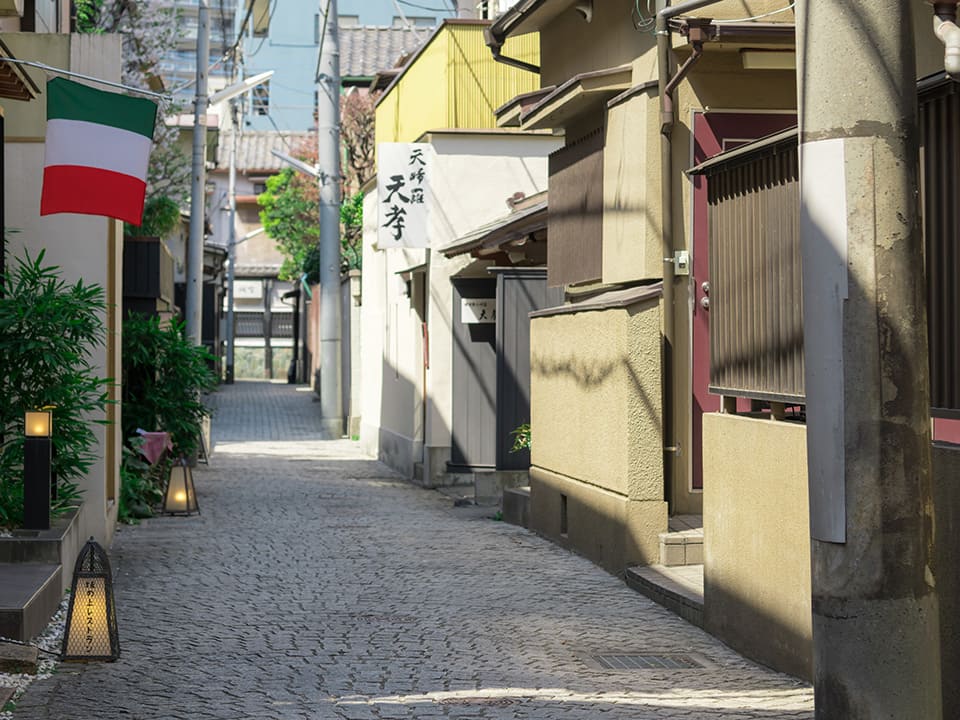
(756, 308)
(477, 85)
(575, 214)
(454, 83)
(940, 186)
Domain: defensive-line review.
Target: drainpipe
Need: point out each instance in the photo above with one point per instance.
(495, 43)
(945, 28)
(666, 85)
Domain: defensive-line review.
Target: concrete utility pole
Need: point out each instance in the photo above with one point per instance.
(232, 243)
(875, 612)
(328, 160)
(194, 289)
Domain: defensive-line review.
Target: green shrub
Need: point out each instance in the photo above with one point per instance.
(164, 377)
(521, 438)
(48, 330)
(141, 484)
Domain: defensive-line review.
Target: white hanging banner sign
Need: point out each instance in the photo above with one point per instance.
(404, 172)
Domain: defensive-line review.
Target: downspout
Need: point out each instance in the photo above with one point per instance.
(495, 42)
(666, 86)
(945, 28)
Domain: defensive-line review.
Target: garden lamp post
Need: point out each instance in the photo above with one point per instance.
(37, 456)
(180, 497)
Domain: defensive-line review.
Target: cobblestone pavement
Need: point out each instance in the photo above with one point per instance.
(317, 584)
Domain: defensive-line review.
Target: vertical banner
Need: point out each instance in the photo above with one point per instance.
(404, 172)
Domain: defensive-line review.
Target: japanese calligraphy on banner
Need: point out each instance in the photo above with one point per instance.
(403, 194)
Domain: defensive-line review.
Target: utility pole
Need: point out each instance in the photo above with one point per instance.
(875, 610)
(328, 160)
(194, 253)
(232, 243)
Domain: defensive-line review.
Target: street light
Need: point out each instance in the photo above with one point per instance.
(194, 294)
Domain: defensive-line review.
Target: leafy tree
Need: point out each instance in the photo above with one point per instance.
(289, 207)
(288, 212)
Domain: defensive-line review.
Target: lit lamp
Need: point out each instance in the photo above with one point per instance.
(37, 454)
(181, 496)
(91, 630)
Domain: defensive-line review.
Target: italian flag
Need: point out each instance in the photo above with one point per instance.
(97, 150)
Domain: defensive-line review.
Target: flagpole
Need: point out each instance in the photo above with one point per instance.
(194, 255)
(70, 73)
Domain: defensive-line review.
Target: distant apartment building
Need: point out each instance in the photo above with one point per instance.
(179, 67)
(285, 38)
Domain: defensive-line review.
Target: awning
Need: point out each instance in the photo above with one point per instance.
(579, 95)
(612, 299)
(513, 228)
(508, 114)
(15, 84)
(769, 145)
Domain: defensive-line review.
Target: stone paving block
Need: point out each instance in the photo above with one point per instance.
(316, 576)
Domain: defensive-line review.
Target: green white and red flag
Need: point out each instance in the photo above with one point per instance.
(97, 150)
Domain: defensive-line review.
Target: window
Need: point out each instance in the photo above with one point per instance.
(260, 97)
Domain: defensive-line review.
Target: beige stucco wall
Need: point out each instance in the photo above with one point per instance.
(595, 398)
(596, 425)
(85, 247)
(757, 539)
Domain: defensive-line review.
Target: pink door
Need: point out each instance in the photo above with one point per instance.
(713, 133)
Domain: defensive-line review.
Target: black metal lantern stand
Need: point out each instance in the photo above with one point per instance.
(180, 497)
(91, 631)
(37, 462)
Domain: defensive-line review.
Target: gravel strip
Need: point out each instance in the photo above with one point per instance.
(49, 640)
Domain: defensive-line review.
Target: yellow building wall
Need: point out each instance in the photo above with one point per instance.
(454, 84)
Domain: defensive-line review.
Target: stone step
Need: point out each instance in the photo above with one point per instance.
(679, 589)
(516, 506)
(6, 695)
(681, 548)
(17, 659)
(30, 594)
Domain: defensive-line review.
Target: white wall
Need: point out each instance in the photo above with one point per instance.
(85, 247)
(474, 174)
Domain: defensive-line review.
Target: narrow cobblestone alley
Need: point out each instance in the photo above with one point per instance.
(318, 584)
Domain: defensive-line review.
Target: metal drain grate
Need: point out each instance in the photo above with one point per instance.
(646, 662)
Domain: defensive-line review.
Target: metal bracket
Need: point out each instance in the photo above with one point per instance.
(681, 262)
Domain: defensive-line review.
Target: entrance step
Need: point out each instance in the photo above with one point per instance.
(29, 596)
(683, 543)
(516, 506)
(679, 589)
